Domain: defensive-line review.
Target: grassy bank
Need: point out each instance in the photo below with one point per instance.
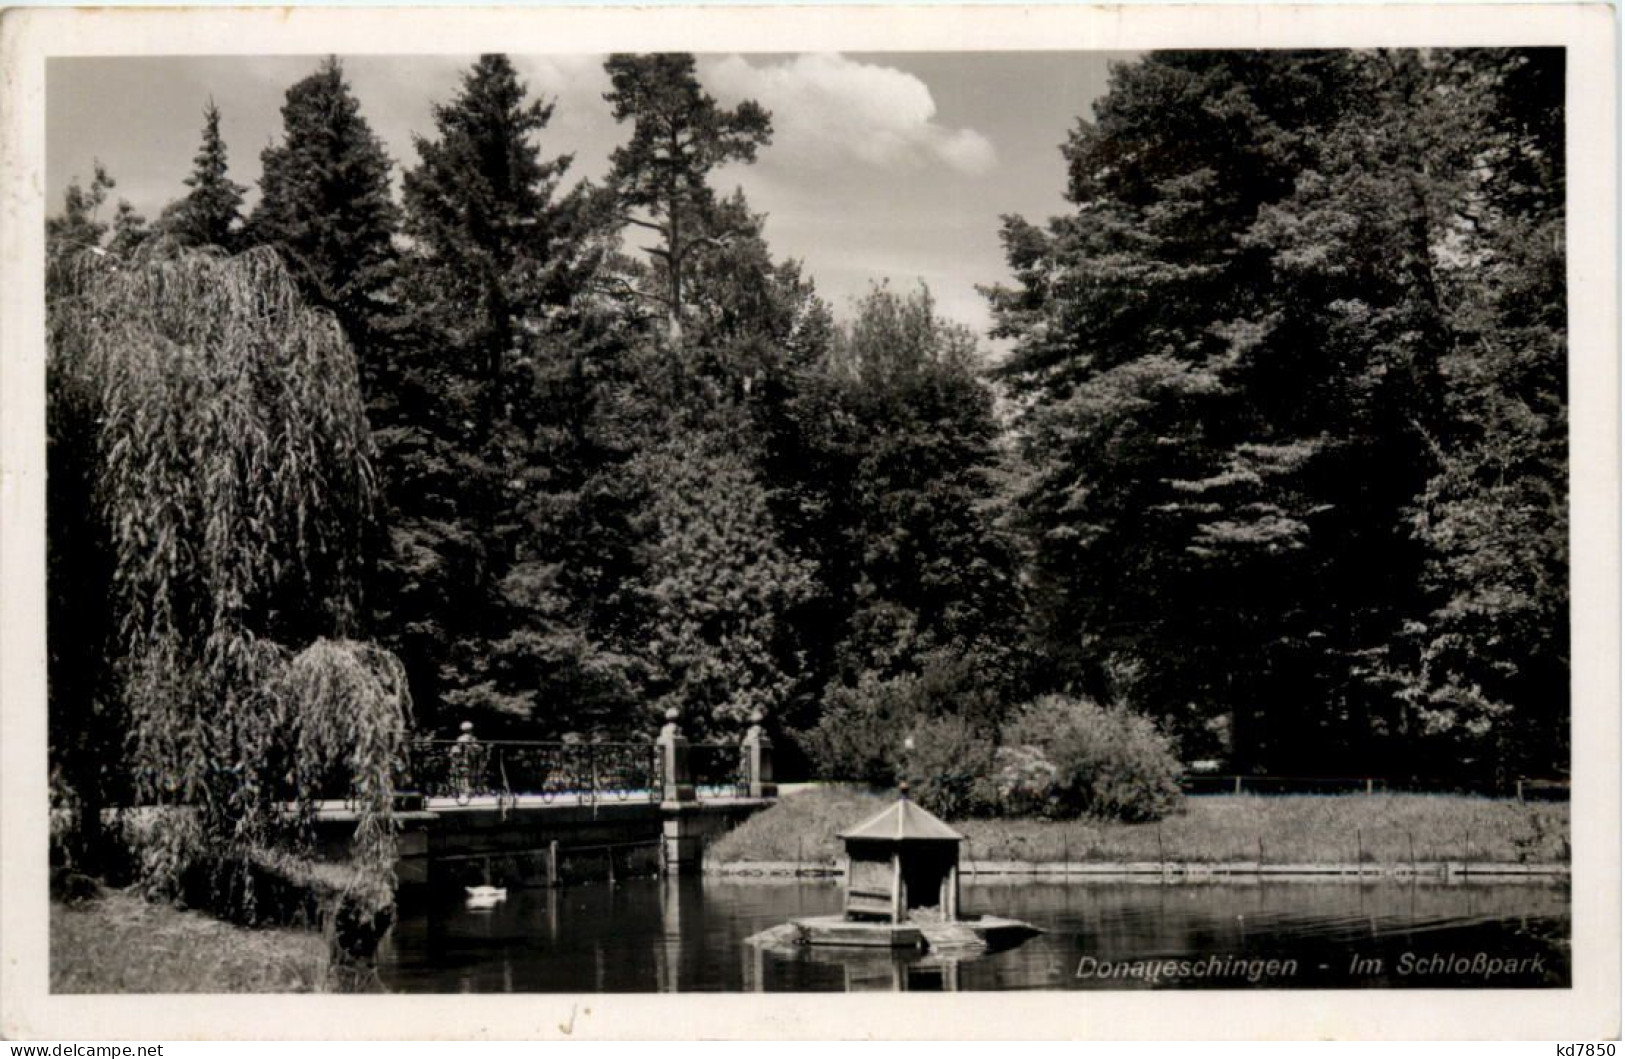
(1280, 829)
(121, 943)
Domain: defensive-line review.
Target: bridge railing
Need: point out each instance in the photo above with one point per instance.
(719, 770)
(468, 770)
(570, 773)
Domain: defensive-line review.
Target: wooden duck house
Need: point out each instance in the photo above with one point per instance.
(902, 892)
(900, 861)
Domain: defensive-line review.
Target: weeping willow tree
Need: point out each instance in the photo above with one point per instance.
(216, 427)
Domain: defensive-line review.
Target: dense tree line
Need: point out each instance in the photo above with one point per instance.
(1295, 416)
(1277, 458)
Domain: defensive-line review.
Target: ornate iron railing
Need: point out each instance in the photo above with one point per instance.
(719, 770)
(572, 773)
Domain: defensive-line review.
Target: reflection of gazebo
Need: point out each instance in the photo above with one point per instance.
(902, 859)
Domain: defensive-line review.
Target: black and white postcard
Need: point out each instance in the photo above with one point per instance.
(548, 521)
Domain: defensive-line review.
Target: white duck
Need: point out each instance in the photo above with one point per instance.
(485, 896)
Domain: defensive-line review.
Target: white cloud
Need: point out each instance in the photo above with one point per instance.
(576, 82)
(398, 98)
(581, 123)
(828, 109)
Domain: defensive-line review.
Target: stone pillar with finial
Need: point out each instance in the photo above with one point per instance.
(758, 749)
(675, 781)
(681, 841)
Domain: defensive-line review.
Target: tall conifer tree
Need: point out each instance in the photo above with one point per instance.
(325, 206)
(494, 431)
(679, 135)
(209, 214)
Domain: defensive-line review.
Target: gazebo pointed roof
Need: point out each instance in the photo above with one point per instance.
(903, 821)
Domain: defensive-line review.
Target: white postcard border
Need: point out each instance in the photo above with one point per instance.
(1589, 1010)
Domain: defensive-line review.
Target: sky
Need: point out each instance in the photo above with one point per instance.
(893, 166)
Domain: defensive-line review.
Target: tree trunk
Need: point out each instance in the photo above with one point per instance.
(674, 284)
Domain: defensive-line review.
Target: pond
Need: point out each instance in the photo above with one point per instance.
(688, 934)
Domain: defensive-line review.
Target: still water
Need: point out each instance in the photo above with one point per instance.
(687, 934)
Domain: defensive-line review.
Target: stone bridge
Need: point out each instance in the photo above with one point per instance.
(517, 813)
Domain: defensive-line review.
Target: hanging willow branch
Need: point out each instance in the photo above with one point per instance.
(234, 475)
(237, 465)
(352, 718)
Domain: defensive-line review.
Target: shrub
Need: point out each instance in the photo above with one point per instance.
(1026, 783)
(860, 734)
(949, 766)
(1108, 762)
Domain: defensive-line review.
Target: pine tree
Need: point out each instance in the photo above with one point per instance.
(77, 227)
(1125, 319)
(209, 214)
(325, 206)
(130, 230)
(679, 135)
(746, 310)
(492, 435)
(491, 234)
(1350, 380)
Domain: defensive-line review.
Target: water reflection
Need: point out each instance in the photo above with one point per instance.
(687, 935)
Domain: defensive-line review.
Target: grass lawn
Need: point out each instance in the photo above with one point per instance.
(121, 943)
(1287, 829)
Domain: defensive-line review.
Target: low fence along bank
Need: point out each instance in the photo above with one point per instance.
(1521, 788)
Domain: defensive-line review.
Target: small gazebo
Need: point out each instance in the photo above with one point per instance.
(899, 860)
(902, 892)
